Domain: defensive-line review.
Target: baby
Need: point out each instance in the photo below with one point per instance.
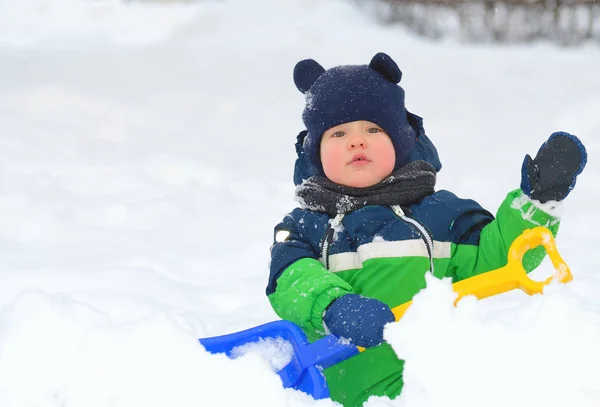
(371, 224)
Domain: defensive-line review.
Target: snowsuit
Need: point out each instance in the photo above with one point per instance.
(384, 253)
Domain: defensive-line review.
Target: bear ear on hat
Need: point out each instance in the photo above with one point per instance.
(386, 66)
(306, 72)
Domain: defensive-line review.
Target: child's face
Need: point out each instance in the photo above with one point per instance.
(357, 154)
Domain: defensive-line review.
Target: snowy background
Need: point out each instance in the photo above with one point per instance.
(147, 152)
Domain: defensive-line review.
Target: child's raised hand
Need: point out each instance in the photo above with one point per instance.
(551, 175)
(358, 319)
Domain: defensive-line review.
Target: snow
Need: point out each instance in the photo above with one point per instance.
(147, 152)
(57, 351)
(543, 352)
(31, 21)
(277, 351)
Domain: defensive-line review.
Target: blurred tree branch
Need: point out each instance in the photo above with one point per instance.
(567, 22)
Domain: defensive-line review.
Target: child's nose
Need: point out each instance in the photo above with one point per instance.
(356, 141)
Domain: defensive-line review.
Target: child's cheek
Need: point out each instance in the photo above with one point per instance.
(332, 160)
(386, 155)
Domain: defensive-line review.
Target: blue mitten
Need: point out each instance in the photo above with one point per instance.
(359, 319)
(551, 175)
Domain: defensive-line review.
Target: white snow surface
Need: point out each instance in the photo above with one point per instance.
(147, 152)
(277, 351)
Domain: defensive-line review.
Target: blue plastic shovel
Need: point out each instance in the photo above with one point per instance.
(303, 372)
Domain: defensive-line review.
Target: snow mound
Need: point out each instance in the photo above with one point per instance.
(538, 350)
(57, 351)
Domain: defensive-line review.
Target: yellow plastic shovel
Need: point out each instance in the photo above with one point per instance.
(513, 275)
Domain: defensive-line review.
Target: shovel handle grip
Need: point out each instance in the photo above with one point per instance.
(513, 275)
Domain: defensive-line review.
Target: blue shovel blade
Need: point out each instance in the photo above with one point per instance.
(303, 372)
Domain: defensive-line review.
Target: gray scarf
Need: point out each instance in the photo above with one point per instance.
(405, 186)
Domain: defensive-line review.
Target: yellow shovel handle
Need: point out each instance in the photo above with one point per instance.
(513, 275)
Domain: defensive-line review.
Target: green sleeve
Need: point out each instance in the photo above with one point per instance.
(304, 290)
(516, 214)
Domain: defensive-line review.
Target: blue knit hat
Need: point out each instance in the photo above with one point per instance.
(356, 92)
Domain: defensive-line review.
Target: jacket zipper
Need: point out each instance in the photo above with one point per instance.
(329, 238)
(425, 235)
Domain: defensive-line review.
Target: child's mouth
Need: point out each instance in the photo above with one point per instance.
(359, 159)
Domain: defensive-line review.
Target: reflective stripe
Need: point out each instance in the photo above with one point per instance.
(344, 261)
(400, 248)
(442, 250)
(282, 235)
(377, 250)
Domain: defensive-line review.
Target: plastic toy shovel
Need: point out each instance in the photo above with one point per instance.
(303, 372)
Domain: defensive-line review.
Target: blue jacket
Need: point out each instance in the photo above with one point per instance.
(384, 252)
(446, 217)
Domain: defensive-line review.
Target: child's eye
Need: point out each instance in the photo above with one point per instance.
(374, 130)
(339, 134)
